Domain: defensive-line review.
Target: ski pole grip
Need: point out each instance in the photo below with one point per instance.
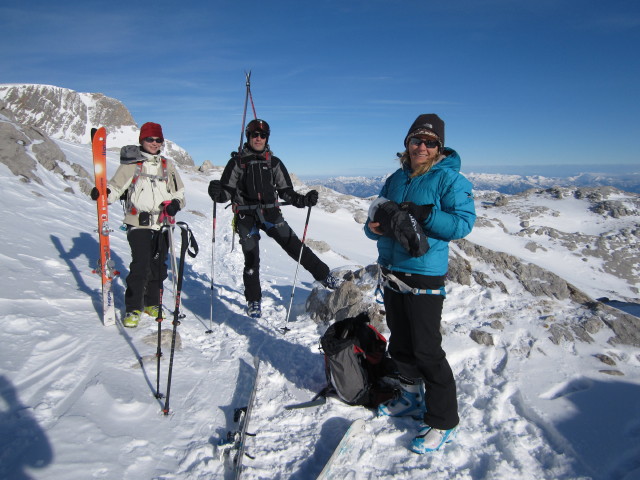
(164, 215)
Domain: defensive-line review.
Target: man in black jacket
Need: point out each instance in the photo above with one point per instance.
(253, 180)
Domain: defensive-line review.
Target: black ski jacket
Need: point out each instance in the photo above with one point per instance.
(258, 179)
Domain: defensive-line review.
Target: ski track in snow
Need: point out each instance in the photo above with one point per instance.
(78, 398)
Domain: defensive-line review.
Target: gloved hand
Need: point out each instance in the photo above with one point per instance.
(297, 200)
(172, 208)
(419, 212)
(311, 198)
(402, 226)
(95, 194)
(215, 190)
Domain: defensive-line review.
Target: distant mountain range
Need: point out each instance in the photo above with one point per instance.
(503, 183)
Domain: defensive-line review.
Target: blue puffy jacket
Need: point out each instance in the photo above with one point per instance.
(452, 216)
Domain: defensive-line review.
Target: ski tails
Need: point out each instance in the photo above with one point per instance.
(105, 266)
(342, 463)
(234, 446)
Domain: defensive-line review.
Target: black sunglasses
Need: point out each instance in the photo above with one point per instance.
(258, 134)
(153, 139)
(428, 143)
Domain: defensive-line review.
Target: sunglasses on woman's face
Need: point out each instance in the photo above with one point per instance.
(415, 141)
(153, 139)
(258, 134)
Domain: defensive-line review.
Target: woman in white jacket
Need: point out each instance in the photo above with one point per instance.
(153, 190)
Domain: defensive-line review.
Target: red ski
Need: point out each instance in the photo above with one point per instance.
(105, 266)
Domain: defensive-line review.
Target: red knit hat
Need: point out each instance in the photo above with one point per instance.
(150, 129)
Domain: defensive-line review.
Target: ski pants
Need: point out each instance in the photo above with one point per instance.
(415, 346)
(248, 227)
(147, 270)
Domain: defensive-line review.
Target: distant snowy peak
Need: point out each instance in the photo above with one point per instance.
(512, 184)
(503, 183)
(362, 187)
(65, 114)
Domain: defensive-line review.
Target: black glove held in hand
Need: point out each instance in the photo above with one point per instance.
(402, 226)
(172, 208)
(311, 198)
(420, 212)
(297, 200)
(215, 190)
(95, 193)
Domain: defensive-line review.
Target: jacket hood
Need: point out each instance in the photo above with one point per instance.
(131, 154)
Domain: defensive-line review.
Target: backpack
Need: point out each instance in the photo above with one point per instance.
(257, 179)
(355, 361)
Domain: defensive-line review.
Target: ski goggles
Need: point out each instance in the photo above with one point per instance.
(153, 139)
(416, 142)
(259, 134)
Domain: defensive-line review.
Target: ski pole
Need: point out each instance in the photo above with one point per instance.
(174, 266)
(187, 240)
(247, 96)
(160, 252)
(285, 329)
(213, 249)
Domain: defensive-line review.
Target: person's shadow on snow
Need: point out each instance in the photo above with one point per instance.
(86, 245)
(603, 429)
(23, 443)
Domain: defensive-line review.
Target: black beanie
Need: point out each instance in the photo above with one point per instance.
(425, 124)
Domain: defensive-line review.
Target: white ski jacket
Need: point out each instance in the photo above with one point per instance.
(150, 188)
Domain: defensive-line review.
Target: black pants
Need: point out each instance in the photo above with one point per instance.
(248, 227)
(415, 345)
(147, 270)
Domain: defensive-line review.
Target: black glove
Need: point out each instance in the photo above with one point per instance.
(216, 190)
(297, 200)
(95, 194)
(172, 208)
(311, 198)
(420, 212)
(403, 227)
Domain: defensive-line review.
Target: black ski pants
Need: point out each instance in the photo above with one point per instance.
(415, 344)
(147, 270)
(248, 227)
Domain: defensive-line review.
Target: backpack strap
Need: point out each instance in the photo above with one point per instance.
(128, 207)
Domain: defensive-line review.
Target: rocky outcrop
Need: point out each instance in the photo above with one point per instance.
(64, 114)
(23, 148)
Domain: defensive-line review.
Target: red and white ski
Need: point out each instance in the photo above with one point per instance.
(105, 265)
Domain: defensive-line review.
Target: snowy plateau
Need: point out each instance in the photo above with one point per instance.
(540, 327)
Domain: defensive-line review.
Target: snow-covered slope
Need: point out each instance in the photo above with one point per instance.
(77, 399)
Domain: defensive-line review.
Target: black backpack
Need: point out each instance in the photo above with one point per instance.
(355, 361)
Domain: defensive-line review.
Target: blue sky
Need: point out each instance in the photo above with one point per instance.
(550, 82)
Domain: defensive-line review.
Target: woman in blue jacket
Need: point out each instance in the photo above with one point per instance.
(422, 206)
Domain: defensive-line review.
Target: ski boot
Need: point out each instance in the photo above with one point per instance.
(254, 310)
(408, 401)
(152, 311)
(431, 439)
(131, 319)
(331, 282)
